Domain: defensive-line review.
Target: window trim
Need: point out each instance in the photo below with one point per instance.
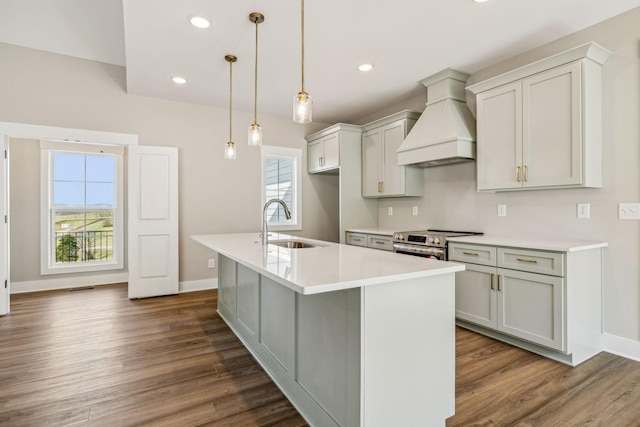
(295, 154)
(47, 264)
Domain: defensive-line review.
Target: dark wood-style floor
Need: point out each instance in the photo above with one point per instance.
(94, 357)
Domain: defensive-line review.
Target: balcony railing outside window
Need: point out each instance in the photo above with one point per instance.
(84, 246)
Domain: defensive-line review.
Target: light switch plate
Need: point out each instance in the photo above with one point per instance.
(502, 210)
(628, 210)
(414, 211)
(583, 210)
(211, 263)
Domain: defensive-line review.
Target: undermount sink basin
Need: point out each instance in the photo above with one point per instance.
(292, 244)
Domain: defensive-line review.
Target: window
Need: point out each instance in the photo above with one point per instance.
(81, 215)
(281, 179)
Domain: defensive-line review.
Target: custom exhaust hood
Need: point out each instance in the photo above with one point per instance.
(445, 133)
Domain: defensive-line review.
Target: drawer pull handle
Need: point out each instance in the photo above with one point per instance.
(533, 261)
(470, 253)
(518, 173)
(492, 277)
(379, 242)
(499, 283)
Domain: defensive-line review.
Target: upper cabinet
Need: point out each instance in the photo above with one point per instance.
(381, 175)
(539, 126)
(323, 153)
(337, 150)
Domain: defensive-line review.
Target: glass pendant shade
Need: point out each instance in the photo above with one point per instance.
(255, 135)
(302, 108)
(230, 151)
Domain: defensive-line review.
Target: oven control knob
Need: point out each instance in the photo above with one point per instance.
(436, 240)
(430, 239)
(400, 236)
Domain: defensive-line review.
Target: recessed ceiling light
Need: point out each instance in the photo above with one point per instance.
(199, 21)
(480, 1)
(178, 80)
(365, 67)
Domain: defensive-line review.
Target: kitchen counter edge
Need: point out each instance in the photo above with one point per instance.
(428, 270)
(551, 244)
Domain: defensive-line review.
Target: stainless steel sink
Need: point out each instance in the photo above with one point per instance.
(292, 244)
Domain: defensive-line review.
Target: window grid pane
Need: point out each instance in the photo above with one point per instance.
(278, 184)
(83, 236)
(84, 193)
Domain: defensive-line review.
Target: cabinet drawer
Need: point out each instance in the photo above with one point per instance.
(356, 239)
(475, 254)
(380, 242)
(550, 263)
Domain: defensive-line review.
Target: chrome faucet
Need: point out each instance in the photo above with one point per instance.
(264, 236)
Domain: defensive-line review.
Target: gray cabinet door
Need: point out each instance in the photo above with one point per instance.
(371, 163)
(476, 298)
(551, 135)
(248, 301)
(227, 287)
(499, 148)
(531, 307)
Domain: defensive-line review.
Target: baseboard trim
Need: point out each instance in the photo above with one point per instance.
(98, 280)
(68, 282)
(622, 347)
(198, 285)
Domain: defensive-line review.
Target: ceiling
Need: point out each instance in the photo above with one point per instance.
(406, 40)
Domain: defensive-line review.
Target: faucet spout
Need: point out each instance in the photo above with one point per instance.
(264, 236)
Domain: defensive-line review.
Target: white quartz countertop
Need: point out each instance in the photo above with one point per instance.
(328, 267)
(556, 245)
(378, 231)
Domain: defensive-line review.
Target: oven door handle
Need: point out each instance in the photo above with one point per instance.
(423, 251)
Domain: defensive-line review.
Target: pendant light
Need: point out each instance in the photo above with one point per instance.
(230, 149)
(302, 102)
(255, 130)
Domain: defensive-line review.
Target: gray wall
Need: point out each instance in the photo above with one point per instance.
(451, 200)
(216, 196)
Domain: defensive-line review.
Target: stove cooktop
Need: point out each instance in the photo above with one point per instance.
(430, 237)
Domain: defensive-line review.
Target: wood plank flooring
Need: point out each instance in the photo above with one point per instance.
(93, 357)
(96, 358)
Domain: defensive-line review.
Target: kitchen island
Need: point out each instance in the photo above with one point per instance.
(352, 336)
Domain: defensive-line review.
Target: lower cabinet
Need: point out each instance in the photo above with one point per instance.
(375, 241)
(330, 352)
(308, 343)
(525, 305)
(548, 302)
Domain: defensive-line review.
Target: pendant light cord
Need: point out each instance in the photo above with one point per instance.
(302, 20)
(230, 98)
(255, 92)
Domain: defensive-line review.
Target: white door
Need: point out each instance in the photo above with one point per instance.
(4, 228)
(153, 221)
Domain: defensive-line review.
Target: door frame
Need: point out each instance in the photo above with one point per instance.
(10, 130)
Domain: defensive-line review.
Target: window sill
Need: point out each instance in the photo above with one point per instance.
(84, 268)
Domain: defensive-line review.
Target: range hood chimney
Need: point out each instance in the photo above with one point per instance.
(445, 133)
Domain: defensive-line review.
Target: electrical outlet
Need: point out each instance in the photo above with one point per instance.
(628, 210)
(414, 211)
(502, 210)
(583, 210)
(211, 263)
(390, 210)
